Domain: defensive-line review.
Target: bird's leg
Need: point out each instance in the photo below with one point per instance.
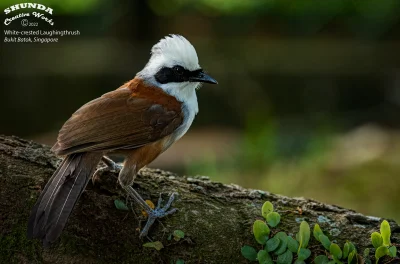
(153, 214)
(134, 161)
(110, 166)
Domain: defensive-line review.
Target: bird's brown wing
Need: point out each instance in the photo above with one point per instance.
(120, 119)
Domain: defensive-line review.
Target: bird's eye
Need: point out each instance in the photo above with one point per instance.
(178, 69)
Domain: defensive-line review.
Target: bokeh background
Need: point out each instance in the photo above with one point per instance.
(307, 104)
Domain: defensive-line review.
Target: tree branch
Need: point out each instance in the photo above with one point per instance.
(215, 217)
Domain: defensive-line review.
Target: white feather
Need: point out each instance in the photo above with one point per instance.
(168, 52)
(172, 50)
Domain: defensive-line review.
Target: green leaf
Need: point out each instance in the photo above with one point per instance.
(353, 259)
(120, 205)
(366, 253)
(249, 253)
(376, 239)
(267, 208)
(292, 244)
(304, 234)
(282, 243)
(156, 245)
(351, 247)
(273, 219)
(285, 258)
(332, 262)
(335, 250)
(180, 261)
(385, 232)
(261, 231)
(325, 241)
(392, 251)
(380, 252)
(272, 244)
(336, 260)
(299, 261)
(366, 256)
(317, 232)
(321, 259)
(346, 249)
(178, 234)
(264, 258)
(304, 253)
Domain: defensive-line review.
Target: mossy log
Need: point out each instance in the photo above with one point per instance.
(216, 218)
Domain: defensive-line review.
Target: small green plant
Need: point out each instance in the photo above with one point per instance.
(283, 249)
(178, 235)
(279, 247)
(120, 205)
(157, 245)
(337, 255)
(381, 242)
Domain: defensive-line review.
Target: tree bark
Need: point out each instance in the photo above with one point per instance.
(216, 218)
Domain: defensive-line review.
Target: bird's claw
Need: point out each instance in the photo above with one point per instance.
(116, 167)
(158, 212)
(110, 166)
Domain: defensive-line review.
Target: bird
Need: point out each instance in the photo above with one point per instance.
(139, 120)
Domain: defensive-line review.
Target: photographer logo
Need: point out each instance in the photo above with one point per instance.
(37, 14)
(31, 18)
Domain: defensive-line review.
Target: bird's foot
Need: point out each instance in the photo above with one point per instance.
(111, 166)
(153, 214)
(158, 212)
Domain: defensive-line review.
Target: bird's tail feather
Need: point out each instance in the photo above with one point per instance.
(58, 198)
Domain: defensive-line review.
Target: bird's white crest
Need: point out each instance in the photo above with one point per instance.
(168, 52)
(175, 50)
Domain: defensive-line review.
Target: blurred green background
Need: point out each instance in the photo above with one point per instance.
(307, 104)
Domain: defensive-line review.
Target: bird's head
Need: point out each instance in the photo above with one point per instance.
(174, 66)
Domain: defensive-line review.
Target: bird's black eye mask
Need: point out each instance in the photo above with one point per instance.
(177, 74)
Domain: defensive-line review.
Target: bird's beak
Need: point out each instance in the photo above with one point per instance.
(201, 76)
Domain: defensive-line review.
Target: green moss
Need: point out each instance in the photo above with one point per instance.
(69, 244)
(15, 247)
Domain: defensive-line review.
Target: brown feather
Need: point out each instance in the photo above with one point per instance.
(129, 117)
(135, 159)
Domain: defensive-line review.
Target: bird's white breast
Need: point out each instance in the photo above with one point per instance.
(190, 108)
